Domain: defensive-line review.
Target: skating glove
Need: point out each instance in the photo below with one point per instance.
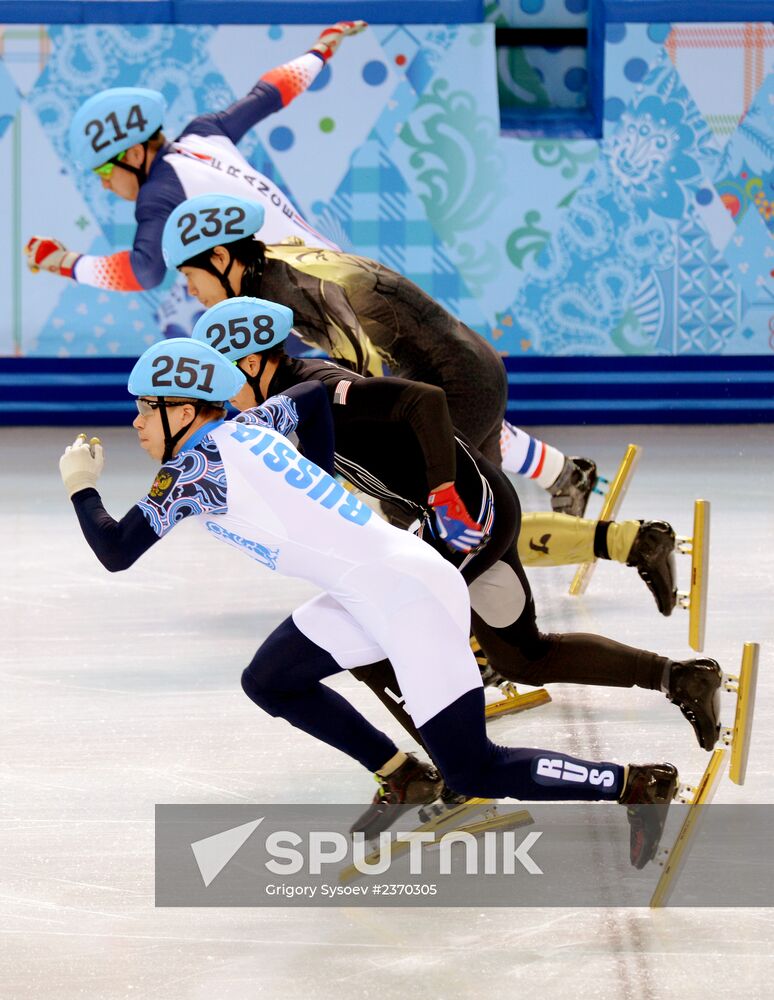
(47, 254)
(330, 39)
(455, 525)
(81, 465)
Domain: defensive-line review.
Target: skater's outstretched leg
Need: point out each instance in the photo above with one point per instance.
(558, 540)
(504, 623)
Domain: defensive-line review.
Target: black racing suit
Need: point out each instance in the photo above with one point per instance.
(394, 440)
(373, 318)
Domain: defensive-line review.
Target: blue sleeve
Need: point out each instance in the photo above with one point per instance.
(117, 544)
(262, 101)
(305, 409)
(162, 193)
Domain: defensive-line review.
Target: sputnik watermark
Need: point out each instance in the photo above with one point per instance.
(291, 854)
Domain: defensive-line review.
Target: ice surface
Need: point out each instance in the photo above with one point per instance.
(122, 691)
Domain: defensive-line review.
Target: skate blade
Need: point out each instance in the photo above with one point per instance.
(439, 818)
(673, 860)
(513, 702)
(695, 600)
(497, 821)
(738, 737)
(613, 500)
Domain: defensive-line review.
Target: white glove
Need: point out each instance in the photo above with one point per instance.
(81, 465)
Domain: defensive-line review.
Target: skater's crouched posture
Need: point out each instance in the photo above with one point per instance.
(394, 441)
(386, 593)
(373, 319)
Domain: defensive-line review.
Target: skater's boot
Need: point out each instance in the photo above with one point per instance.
(653, 554)
(413, 783)
(452, 798)
(694, 685)
(647, 795)
(573, 486)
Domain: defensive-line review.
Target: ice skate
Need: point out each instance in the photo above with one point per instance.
(672, 859)
(647, 795)
(413, 783)
(744, 687)
(694, 686)
(573, 487)
(511, 700)
(653, 556)
(451, 813)
(610, 506)
(737, 738)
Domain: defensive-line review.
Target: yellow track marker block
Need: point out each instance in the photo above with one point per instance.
(612, 502)
(739, 737)
(676, 857)
(513, 702)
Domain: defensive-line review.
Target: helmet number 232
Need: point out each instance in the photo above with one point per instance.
(188, 373)
(211, 223)
(96, 128)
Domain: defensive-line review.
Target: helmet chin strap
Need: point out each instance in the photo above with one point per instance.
(204, 263)
(141, 172)
(223, 278)
(170, 439)
(254, 381)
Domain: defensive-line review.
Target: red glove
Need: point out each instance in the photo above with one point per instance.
(47, 254)
(330, 39)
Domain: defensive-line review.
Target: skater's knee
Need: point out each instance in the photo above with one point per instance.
(260, 687)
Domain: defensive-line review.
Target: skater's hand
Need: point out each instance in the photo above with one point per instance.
(47, 254)
(330, 39)
(81, 464)
(455, 525)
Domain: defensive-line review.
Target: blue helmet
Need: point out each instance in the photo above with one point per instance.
(207, 221)
(242, 326)
(186, 368)
(113, 120)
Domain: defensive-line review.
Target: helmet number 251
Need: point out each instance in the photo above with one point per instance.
(189, 373)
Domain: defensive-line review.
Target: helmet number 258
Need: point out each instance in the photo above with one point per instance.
(240, 334)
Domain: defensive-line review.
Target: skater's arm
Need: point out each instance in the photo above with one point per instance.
(422, 407)
(117, 544)
(143, 266)
(305, 410)
(275, 89)
(132, 270)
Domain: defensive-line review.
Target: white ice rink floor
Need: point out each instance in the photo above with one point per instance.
(122, 691)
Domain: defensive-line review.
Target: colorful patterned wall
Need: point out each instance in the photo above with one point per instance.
(656, 240)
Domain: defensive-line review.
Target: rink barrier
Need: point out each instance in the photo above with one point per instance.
(631, 390)
(239, 11)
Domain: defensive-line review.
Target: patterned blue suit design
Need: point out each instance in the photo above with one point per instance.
(192, 483)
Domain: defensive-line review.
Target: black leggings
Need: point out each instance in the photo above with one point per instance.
(519, 650)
